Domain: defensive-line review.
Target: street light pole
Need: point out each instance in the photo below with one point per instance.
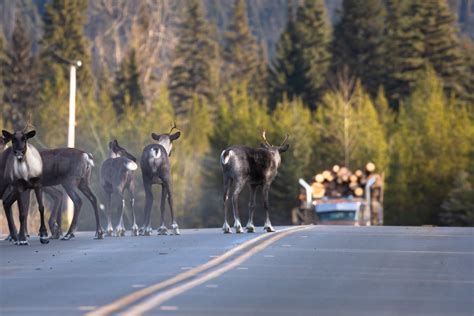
(72, 124)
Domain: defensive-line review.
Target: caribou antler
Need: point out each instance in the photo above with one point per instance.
(173, 127)
(265, 138)
(27, 124)
(284, 141)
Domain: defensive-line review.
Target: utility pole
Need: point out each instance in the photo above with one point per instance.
(73, 65)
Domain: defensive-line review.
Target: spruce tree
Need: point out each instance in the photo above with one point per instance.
(64, 36)
(127, 89)
(195, 54)
(302, 55)
(403, 53)
(441, 44)
(258, 86)
(287, 68)
(314, 31)
(19, 74)
(240, 47)
(358, 41)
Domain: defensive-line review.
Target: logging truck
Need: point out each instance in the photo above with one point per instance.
(342, 197)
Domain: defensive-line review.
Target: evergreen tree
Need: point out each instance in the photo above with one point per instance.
(240, 47)
(314, 31)
(19, 75)
(468, 53)
(127, 89)
(64, 37)
(259, 83)
(458, 207)
(287, 69)
(358, 41)
(403, 53)
(441, 45)
(195, 54)
(302, 55)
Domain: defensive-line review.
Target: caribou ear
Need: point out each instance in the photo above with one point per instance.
(284, 148)
(155, 136)
(115, 143)
(175, 136)
(6, 136)
(110, 145)
(30, 134)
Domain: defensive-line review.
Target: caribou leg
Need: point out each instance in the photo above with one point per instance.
(119, 206)
(253, 195)
(108, 213)
(86, 190)
(131, 191)
(174, 225)
(76, 200)
(8, 201)
(266, 205)
(227, 186)
(54, 221)
(162, 230)
(23, 203)
(146, 229)
(43, 232)
(235, 206)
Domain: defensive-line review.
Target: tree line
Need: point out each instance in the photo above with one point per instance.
(391, 82)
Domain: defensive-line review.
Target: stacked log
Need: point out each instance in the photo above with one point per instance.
(340, 181)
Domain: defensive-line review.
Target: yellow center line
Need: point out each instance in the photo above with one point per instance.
(166, 295)
(137, 295)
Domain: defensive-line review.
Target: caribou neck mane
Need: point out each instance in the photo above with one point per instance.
(31, 166)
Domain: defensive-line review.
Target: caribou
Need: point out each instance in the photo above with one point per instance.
(156, 169)
(117, 175)
(256, 167)
(71, 168)
(21, 170)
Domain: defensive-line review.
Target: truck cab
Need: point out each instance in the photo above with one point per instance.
(341, 212)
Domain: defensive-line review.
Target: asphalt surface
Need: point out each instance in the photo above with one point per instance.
(315, 270)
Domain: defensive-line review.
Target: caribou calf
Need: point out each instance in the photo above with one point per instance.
(156, 169)
(117, 175)
(21, 169)
(255, 166)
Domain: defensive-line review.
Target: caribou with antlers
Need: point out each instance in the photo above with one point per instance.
(117, 175)
(156, 169)
(21, 170)
(255, 166)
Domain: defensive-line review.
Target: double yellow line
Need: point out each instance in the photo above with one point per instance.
(156, 294)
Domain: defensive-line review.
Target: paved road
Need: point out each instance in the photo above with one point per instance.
(317, 270)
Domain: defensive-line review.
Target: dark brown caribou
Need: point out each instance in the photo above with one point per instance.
(156, 169)
(117, 175)
(21, 170)
(256, 167)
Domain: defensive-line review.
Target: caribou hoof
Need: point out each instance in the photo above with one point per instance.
(145, 231)
(56, 234)
(226, 228)
(175, 229)
(110, 232)
(250, 229)
(68, 236)
(163, 231)
(135, 231)
(119, 232)
(22, 243)
(44, 240)
(99, 234)
(239, 229)
(269, 229)
(11, 239)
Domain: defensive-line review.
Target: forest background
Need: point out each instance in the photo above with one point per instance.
(387, 81)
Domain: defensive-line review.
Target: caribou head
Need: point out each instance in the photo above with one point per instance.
(19, 142)
(275, 150)
(3, 144)
(115, 151)
(166, 140)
